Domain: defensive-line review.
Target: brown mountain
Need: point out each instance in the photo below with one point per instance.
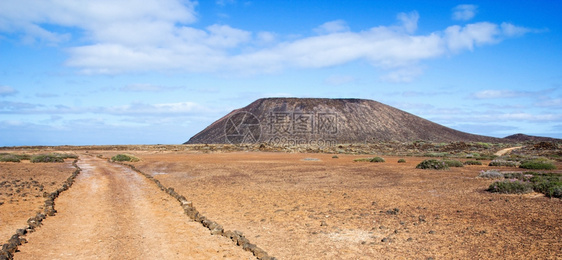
(530, 138)
(321, 121)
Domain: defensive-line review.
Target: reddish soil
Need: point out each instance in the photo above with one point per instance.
(112, 212)
(292, 205)
(312, 206)
(21, 191)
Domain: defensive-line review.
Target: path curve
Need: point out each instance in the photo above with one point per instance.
(112, 212)
(507, 150)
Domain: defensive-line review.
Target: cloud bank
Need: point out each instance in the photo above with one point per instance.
(113, 37)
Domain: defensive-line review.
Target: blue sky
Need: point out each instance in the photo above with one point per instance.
(159, 71)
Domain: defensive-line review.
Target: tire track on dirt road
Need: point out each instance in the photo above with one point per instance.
(111, 212)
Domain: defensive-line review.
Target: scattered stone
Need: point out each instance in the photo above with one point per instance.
(394, 211)
(386, 239)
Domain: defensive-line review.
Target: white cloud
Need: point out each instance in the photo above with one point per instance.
(464, 12)
(464, 38)
(101, 20)
(529, 117)
(266, 37)
(511, 30)
(490, 94)
(550, 102)
(118, 37)
(409, 21)
(7, 91)
(504, 93)
(332, 27)
(225, 2)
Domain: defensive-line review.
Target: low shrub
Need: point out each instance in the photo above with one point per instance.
(512, 186)
(491, 174)
(335, 157)
(9, 158)
(504, 163)
(518, 175)
(472, 162)
(443, 154)
(371, 159)
(548, 184)
(537, 165)
(453, 163)
(432, 164)
(124, 158)
(485, 157)
(47, 158)
(401, 160)
(555, 192)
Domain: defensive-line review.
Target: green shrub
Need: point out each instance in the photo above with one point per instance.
(547, 184)
(432, 164)
(124, 158)
(401, 160)
(9, 158)
(485, 157)
(443, 154)
(491, 174)
(472, 162)
(550, 184)
(453, 163)
(377, 159)
(512, 186)
(371, 159)
(500, 162)
(47, 158)
(335, 157)
(555, 192)
(518, 175)
(537, 165)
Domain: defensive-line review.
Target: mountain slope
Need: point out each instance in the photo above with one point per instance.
(324, 122)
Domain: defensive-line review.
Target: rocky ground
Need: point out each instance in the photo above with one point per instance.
(292, 205)
(313, 206)
(22, 189)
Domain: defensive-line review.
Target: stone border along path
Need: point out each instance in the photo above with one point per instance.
(8, 249)
(216, 229)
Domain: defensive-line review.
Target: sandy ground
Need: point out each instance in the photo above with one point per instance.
(21, 191)
(312, 206)
(294, 206)
(112, 212)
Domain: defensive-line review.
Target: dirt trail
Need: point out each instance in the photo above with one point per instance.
(112, 212)
(506, 150)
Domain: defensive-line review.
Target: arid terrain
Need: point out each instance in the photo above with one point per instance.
(292, 205)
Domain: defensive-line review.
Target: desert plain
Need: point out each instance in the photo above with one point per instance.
(293, 205)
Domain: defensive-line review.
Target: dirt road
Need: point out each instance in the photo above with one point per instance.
(112, 212)
(507, 150)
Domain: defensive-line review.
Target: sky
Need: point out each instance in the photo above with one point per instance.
(159, 71)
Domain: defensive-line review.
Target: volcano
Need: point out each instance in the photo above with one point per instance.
(322, 121)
